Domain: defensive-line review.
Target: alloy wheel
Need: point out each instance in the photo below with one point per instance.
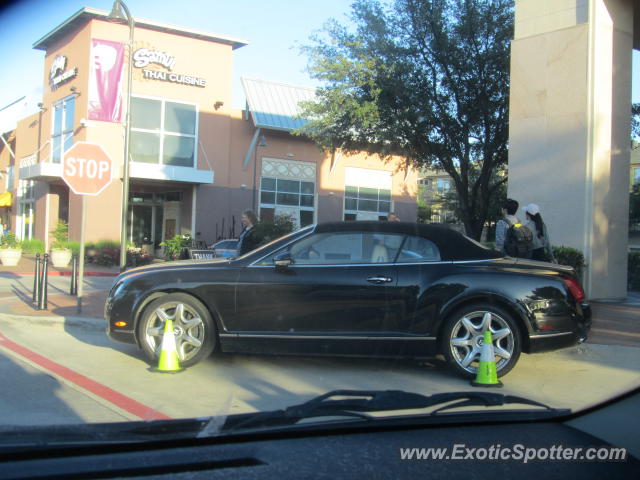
(467, 338)
(188, 328)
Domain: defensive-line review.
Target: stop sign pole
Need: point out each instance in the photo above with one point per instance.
(87, 170)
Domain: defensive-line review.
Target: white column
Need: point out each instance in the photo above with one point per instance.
(570, 99)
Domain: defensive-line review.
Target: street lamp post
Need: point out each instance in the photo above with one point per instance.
(117, 14)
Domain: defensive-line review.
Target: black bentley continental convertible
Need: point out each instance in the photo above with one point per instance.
(376, 289)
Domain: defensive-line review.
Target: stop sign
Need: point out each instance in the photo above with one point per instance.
(86, 168)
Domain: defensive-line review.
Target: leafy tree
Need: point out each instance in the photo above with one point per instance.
(424, 213)
(635, 125)
(494, 213)
(424, 79)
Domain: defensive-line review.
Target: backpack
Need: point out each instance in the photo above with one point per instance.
(519, 240)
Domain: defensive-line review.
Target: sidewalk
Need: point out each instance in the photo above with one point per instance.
(19, 302)
(26, 266)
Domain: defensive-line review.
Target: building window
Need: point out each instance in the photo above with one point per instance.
(366, 199)
(163, 132)
(62, 133)
(636, 175)
(279, 195)
(367, 194)
(444, 185)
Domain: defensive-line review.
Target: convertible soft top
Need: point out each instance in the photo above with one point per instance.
(452, 244)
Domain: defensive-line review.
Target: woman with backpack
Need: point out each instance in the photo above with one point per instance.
(541, 245)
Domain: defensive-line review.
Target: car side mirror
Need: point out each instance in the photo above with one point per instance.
(282, 260)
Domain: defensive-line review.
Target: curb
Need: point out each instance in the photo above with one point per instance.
(93, 323)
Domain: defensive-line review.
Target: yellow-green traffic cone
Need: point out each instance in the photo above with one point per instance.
(487, 375)
(168, 361)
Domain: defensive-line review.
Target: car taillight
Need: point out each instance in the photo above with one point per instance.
(574, 287)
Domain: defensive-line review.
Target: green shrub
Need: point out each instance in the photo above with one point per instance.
(106, 253)
(570, 256)
(61, 235)
(173, 246)
(33, 246)
(109, 256)
(103, 243)
(10, 241)
(67, 244)
(633, 271)
(266, 230)
(74, 246)
(424, 213)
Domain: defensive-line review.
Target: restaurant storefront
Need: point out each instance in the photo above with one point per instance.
(195, 162)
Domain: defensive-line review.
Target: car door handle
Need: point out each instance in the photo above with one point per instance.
(378, 280)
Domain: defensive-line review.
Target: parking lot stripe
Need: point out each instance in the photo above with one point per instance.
(95, 389)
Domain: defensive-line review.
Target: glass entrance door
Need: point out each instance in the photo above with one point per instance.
(145, 224)
(25, 220)
(141, 224)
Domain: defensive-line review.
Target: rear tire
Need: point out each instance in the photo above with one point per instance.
(193, 328)
(462, 337)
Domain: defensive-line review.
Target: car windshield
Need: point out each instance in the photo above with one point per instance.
(226, 244)
(211, 209)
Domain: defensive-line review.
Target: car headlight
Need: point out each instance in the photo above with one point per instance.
(117, 287)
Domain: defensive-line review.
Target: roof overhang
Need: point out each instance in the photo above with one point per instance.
(48, 171)
(170, 173)
(41, 171)
(86, 14)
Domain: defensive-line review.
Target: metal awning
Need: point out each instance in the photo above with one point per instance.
(6, 199)
(276, 106)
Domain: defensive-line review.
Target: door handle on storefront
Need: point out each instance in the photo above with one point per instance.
(378, 280)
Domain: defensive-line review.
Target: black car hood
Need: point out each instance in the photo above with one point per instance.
(177, 264)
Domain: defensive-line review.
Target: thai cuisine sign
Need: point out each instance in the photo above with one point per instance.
(143, 57)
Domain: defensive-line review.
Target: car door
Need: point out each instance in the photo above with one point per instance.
(421, 273)
(337, 293)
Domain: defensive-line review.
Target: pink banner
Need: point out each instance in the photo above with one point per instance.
(105, 98)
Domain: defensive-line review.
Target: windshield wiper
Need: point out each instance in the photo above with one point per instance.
(359, 403)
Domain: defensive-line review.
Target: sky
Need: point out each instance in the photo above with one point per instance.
(274, 30)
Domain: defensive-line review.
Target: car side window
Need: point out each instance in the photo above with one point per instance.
(418, 249)
(343, 248)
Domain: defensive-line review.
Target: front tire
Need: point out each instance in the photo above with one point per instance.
(193, 328)
(463, 335)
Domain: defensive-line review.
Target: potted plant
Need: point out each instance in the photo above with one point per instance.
(10, 250)
(173, 247)
(60, 251)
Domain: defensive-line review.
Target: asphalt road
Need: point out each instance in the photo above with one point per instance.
(69, 371)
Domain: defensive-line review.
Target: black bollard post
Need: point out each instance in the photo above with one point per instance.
(74, 276)
(36, 280)
(42, 304)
